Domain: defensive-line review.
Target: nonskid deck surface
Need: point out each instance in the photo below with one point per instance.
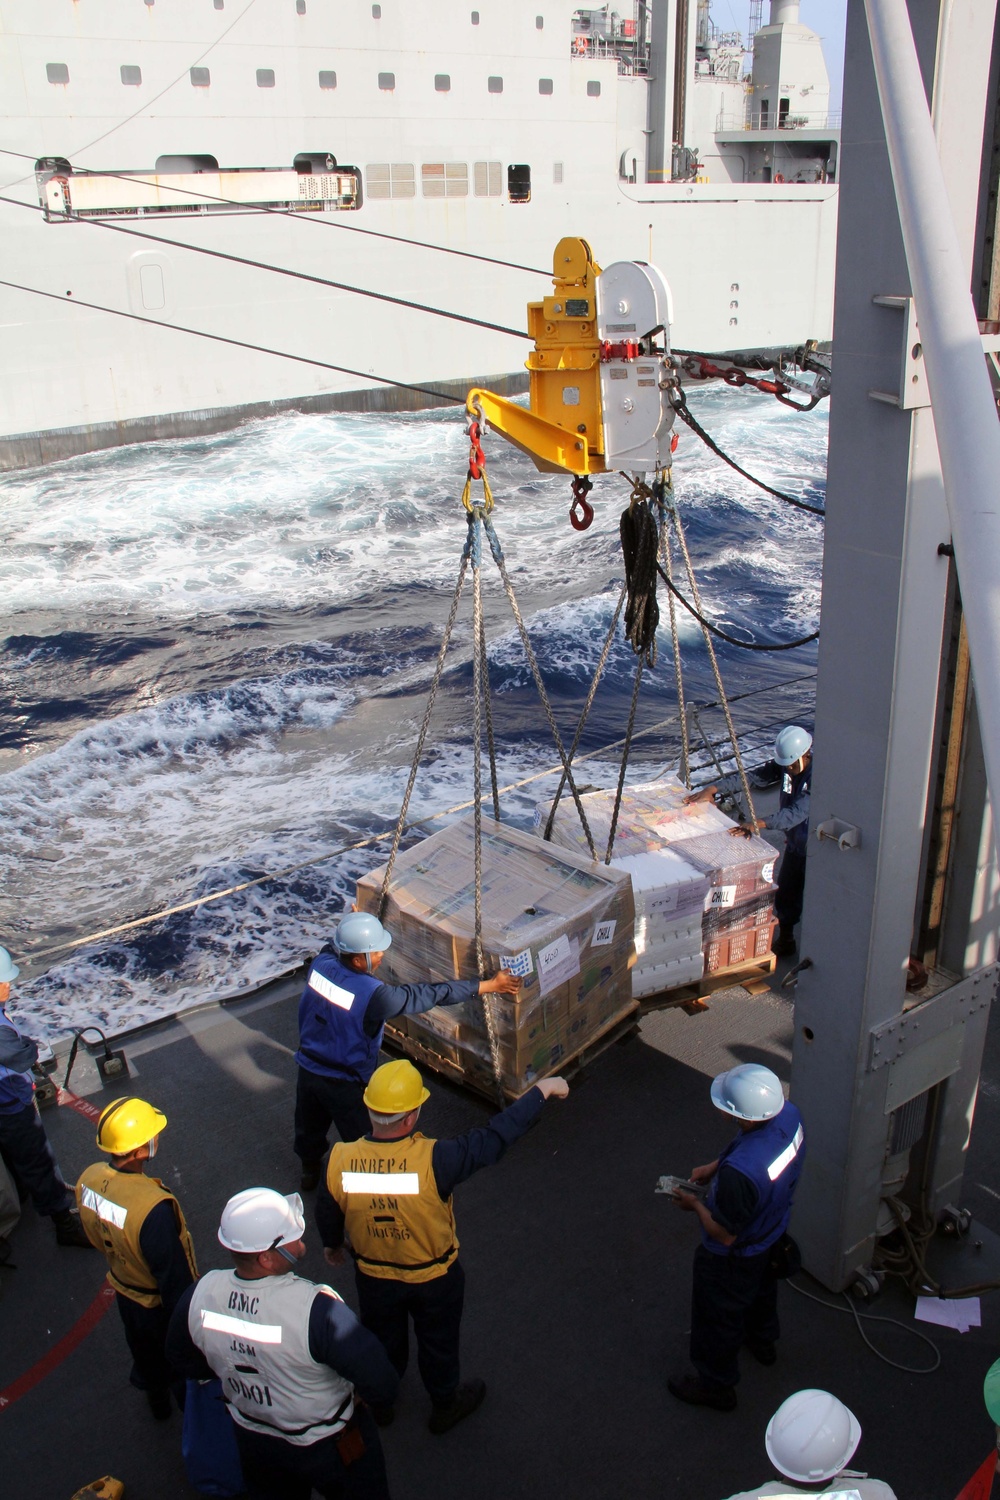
(578, 1284)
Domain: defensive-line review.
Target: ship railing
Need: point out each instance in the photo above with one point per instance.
(631, 56)
(767, 120)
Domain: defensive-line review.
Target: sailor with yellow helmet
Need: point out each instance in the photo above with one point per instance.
(390, 1192)
(139, 1226)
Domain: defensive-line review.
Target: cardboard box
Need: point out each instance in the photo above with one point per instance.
(553, 916)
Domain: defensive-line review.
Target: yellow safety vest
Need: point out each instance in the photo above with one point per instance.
(113, 1208)
(399, 1226)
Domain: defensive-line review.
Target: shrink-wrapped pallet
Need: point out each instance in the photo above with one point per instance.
(563, 923)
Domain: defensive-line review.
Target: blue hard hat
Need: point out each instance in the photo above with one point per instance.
(791, 744)
(749, 1092)
(8, 968)
(361, 932)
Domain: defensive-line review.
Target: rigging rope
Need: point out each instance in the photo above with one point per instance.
(679, 402)
(272, 876)
(667, 563)
(219, 338)
(640, 544)
(732, 639)
(260, 265)
(290, 213)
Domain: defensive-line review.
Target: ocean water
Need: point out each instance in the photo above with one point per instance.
(218, 653)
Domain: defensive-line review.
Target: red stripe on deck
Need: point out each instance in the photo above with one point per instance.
(82, 1106)
(83, 1325)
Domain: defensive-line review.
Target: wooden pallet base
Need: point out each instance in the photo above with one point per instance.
(620, 1029)
(694, 997)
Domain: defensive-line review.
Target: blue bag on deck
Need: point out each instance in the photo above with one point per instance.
(208, 1442)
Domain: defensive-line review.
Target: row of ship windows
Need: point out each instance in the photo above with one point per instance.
(300, 10)
(201, 78)
(450, 179)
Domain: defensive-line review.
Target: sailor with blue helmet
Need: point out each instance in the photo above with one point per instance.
(793, 753)
(734, 1298)
(342, 1012)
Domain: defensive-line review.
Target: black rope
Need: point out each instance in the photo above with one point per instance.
(640, 545)
(219, 338)
(744, 645)
(297, 215)
(679, 401)
(261, 265)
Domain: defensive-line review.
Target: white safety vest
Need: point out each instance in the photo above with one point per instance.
(782, 1489)
(255, 1336)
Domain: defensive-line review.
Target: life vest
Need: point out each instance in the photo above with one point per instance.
(255, 1336)
(332, 1038)
(771, 1156)
(400, 1227)
(793, 787)
(113, 1208)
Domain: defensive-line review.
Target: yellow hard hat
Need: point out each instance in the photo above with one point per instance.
(128, 1124)
(395, 1088)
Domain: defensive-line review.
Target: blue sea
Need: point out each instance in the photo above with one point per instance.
(218, 653)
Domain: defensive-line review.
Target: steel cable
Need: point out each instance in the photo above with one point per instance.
(679, 403)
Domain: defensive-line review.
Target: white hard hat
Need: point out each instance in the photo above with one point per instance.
(811, 1436)
(791, 744)
(748, 1092)
(8, 968)
(261, 1219)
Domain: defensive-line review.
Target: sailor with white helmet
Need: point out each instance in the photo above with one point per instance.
(793, 753)
(810, 1439)
(744, 1215)
(139, 1226)
(291, 1357)
(342, 1013)
(23, 1141)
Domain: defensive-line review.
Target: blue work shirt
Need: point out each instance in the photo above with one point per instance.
(452, 1161)
(792, 817)
(17, 1054)
(342, 1014)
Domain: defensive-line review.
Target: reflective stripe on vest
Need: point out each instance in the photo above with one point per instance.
(113, 1208)
(399, 1226)
(786, 1157)
(255, 1336)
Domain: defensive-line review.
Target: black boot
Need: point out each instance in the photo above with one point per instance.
(69, 1230)
(783, 944)
(462, 1404)
(311, 1173)
(160, 1404)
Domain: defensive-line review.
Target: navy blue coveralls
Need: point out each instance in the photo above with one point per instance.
(341, 1017)
(273, 1467)
(792, 818)
(435, 1306)
(23, 1141)
(734, 1296)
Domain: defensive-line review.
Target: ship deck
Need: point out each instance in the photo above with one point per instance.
(578, 1282)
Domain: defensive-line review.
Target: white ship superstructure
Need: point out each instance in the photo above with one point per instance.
(275, 130)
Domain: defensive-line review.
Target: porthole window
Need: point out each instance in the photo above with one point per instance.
(265, 78)
(219, 4)
(390, 180)
(57, 72)
(495, 84)
(377, 12)
(539, 22)
(486, 177)
(300, 7)
(448, 179)
(442, 82)
(545, 85)
(327, 79)
(387, 81)
(200, 78)
(593, 88)
(475, 18)
(131, 74)
(557, 172)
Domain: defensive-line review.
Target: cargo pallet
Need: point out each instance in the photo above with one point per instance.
(619, 1029)
(692, 998)
(752, 977)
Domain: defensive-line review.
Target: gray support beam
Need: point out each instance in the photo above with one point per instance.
(884, 596)
(660, 96)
